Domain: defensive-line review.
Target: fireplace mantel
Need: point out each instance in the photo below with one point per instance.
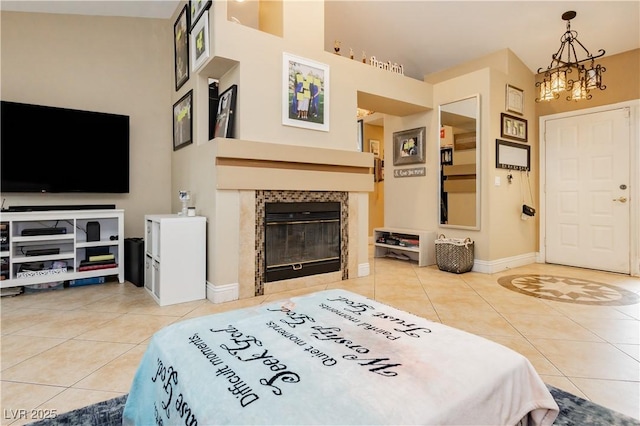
(250, 165)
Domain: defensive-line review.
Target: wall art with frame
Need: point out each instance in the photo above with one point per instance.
(183, 121)
(181, 48)
(200, 42)
(225, 118)
(512, 155)
(514, 99)
(197, 9)
(513, 127)
(305, 93)
(409, 146)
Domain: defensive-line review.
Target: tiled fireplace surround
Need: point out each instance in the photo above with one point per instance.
(260, 173)
(263, 197)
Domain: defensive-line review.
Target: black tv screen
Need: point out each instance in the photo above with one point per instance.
(50, 149)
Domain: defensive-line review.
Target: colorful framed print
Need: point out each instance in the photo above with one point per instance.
(225, 119)
(200, 42)
(305, 93)
(181, 48)
(409, 146)
(196, 10)
(183, 121)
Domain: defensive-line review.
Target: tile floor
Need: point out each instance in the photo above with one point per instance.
(65, 349)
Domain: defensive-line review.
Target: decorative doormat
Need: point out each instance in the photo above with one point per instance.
(570, 290)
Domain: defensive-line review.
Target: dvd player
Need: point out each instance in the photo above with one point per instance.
(43, 231)
(42, 252)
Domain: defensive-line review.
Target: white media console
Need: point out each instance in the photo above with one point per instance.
(49, 246)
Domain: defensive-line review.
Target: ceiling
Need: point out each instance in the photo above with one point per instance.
(428, 36)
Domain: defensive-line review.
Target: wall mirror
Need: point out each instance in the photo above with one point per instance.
(460, 163)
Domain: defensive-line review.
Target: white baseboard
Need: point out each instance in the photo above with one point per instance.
(222, 293)
(489, 267)
(364, 270)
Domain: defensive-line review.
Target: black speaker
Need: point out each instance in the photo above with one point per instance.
(93, 231)
(134, 261)
(93, 234)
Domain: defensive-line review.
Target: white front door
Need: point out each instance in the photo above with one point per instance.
(587, 210)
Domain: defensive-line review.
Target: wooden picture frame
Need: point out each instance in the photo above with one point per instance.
(305, 93)
(200, 42)
(374, 147)
(197, 9)
(513, 127)
(512, 155)
(409, 146)
(514, 99)
(183, 121)
(225, 118)
(181, 48)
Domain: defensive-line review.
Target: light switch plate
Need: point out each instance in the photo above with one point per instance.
(497, 181)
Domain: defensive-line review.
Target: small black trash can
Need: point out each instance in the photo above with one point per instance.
(134, 261)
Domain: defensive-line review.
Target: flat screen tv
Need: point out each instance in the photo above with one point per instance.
(50, 149)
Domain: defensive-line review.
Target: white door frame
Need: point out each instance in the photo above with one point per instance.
(634, 175)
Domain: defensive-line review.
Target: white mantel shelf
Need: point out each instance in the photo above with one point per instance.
(250, 165)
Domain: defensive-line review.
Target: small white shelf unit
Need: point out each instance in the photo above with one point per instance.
(21, 267)
(175, 258)
(417, 245)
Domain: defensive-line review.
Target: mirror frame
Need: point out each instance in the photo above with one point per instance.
(478, 163)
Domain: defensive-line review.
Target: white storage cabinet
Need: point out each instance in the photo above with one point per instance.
(418, 245)
(71, 246)
(175, 258)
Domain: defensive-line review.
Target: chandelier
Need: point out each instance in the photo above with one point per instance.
(559, 76)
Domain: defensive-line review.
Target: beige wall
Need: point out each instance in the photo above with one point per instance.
(105, 64)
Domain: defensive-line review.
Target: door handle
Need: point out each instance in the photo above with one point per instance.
(621, 199)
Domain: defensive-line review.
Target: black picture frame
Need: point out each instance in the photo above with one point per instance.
(225, 118)
(513, 127)
(513, 155)
(181, 48)
(196, 9)
(183, 121)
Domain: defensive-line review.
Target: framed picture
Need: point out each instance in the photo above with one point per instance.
(181, 48)
(408, 146)
(183, 121)
(513, 127)
(514, 100)
(200, 42)
(512, 155)
(359, 144)
(226, 113)
(374, 147)
(196, 9)
(305, 93)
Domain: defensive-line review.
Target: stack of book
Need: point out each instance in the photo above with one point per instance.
(102, 261)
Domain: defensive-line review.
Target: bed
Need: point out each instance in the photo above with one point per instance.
(331, 358)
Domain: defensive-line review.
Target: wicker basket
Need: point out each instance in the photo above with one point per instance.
(454, 254)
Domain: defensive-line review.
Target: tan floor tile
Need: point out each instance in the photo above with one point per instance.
(541, 326)
(621, 396)
(16, 349)
(67, 324)
(488, 323)
(18, 319)
(216, 308)
(128, 328)
(117, 375)
(623, 331)
(588, 359)
(563, 383)
(632, 350)
(19, 399)
(66, 363)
